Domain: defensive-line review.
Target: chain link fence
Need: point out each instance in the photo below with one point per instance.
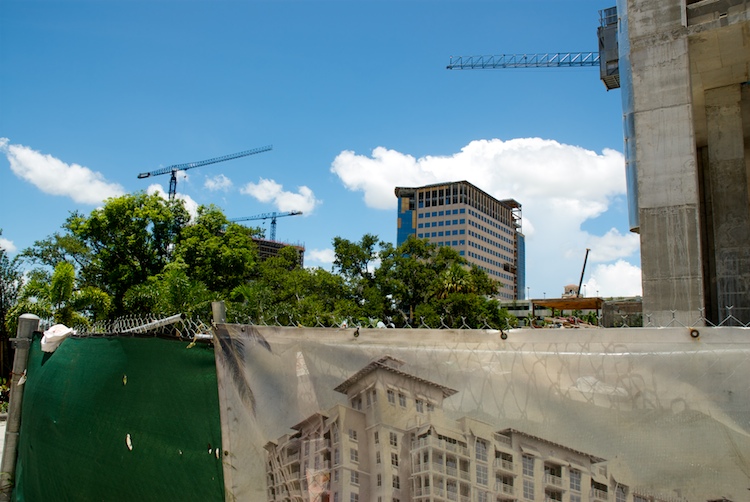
(182, 327)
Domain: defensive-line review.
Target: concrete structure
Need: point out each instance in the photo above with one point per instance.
(484, 230)
(394, 443)
(684, 72)
(269, 249)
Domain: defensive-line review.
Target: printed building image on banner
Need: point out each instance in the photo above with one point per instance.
(423, 415)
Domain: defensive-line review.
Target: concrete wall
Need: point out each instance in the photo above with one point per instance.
(691, 121)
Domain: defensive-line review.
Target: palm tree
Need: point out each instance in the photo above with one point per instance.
(57, 298)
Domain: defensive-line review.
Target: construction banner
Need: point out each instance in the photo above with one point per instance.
(347, 415)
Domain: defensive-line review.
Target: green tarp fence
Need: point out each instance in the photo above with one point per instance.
(120, 418)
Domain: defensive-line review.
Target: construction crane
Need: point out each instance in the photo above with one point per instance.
(585, 259)
(190, 165)
(607, 58)
(546, 60)
(266, 216)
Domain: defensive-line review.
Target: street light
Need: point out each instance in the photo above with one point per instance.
(528, 293)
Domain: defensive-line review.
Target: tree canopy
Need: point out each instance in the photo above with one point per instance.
(140, 254)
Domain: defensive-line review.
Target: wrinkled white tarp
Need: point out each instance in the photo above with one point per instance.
(670, 411)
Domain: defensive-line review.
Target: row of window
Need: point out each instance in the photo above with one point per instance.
(371, 397)
(464, 195)
(441, 233)
(494, 263)
(493, 223)
(438, 214)
(492, 242)
(441, 223)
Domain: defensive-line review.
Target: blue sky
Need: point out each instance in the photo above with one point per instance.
(355, 99)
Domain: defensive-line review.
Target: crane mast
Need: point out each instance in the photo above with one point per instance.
(190, 165)
(266, 216)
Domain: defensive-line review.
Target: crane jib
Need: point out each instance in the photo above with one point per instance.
(190, 165)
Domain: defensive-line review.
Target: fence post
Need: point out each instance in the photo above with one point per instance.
(27, 324)
(219, 311)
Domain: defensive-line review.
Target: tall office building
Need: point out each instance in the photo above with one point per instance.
(393, 442)
(484, 230)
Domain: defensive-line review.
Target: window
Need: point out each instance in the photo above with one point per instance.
(482, 474)
(380, 480)
(335, 496)
(335, 431)
(528, 489)
(336, 475)
(394, 459)
(354, 477)
(336, 456)
(354, 497)
(396, 483)
(420, 405)
(481, 450)
(402, 400)
(352, 434)
(307, 448)
(391, 396)
(481, 496)
(354, 455)
(528, 465)
(394, 439)
(575, 480)
(577, 498)
(621, 494)
(430, 406)
(377, 457)
(376, 437)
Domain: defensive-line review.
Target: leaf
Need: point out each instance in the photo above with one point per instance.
(232, 352)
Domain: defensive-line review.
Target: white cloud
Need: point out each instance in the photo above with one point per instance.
(190, 205)
(270, 191)
(218, 183)
(559, 187)
(616, 279)
(320, 256)
(613, 245)
(7, 245)
(55, 177)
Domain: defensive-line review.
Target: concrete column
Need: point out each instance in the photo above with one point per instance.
(668, 195)
(27, 324)
(729, 228)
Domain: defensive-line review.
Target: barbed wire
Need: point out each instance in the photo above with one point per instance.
(182, 327)
(176, 326)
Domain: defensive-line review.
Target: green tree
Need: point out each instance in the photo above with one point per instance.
(220, 254)
(11, 280)
(286, 293)
(127, 241)
(57, 296)
(170, 292)
(354, 261)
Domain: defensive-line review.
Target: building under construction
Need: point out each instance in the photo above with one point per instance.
(684, 71)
